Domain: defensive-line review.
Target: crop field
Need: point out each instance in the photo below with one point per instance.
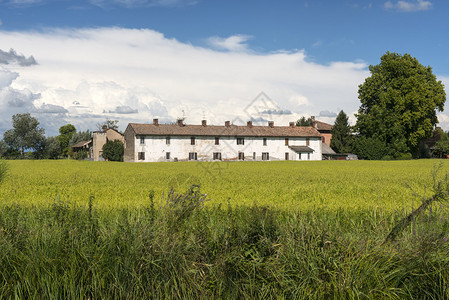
(328, 185)
(271, 230)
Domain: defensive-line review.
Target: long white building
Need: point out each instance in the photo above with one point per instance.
(180, 142)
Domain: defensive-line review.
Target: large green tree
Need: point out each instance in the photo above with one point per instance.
(26, 133)
(399, 103)
(342, 138)
(65, 134)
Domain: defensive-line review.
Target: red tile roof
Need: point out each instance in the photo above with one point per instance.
(232, 130)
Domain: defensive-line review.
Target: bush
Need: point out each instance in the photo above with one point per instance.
(113, 150)
(80, 155)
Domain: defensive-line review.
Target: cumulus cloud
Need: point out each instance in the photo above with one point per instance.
(13, 57)
(408, 6)
(101, 73)
(233, 43)
(326, 113)
(124, 109)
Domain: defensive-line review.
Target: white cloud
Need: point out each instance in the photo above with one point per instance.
(87, 75)
(409, 6)
(235, 43)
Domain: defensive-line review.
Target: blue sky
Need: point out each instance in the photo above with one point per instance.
(135, 60)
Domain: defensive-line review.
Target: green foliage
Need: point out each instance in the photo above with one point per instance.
(442, 146)
(80, 136)
(65, 135)
(342, 139)
(399, 102)
(113, 150)
(303, 122)
(3, 148)
(80, 155)
(370, 148)
(26, 133)
(52, 148)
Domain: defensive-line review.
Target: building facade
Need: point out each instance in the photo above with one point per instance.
(180, 142)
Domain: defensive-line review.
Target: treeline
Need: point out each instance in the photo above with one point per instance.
(27, 140)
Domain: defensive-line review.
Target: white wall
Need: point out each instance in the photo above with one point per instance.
(155, 148)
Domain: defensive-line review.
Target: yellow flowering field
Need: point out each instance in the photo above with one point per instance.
(332, 185)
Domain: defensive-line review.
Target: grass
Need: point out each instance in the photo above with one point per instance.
(329, 185)
(71, 236)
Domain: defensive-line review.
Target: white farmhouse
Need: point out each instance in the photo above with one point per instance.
(180, 142)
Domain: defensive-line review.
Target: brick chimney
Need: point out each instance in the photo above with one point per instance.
(249, 124)
(155, 122)
(180, 122)
(292, 124)
(204, 123)
(271, 124)
(104, 127)
(228, 123)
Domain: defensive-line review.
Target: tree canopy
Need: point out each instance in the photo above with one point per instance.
(399, 103)
(303, 122)
(342, 138)
(26, 133)
(65, 134)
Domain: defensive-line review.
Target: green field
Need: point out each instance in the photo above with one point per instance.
(271, 230)
(348, 185)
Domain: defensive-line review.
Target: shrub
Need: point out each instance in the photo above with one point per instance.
(113, 150)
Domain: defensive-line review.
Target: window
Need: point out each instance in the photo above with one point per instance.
(193, 156)
(217, 155)
(286, 141)
(167, 140)
(308, 156)
(167, 155)
(307, 141)
(217, 141)
(192, 140)
(254, 155)
(264, 141)
(141, 155)
(142, 140)
(286, 155)
(241, 156)
(240, 141)
(265, 156)
(299, 156)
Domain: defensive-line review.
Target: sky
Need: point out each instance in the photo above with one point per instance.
(82, 62)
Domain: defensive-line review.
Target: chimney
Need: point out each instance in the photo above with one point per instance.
(204, 123)
(249, 124)
(228, 124)
(180, 122)
(271, 124)
(312, 118)
(104, 127)
(292, 124)
(155, 122)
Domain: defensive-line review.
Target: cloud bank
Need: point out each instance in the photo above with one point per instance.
(134, 75)
(408, 6)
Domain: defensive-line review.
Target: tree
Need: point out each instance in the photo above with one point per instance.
(52, 148)
(342, 139)
(113, 150)
(399, 102)
(80, 136)
(65, 134)
(441, 148)
(108, 124)
(3, 148)
(303, 122)
(26, 133)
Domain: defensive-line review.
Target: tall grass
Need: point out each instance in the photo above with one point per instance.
(187, 250)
